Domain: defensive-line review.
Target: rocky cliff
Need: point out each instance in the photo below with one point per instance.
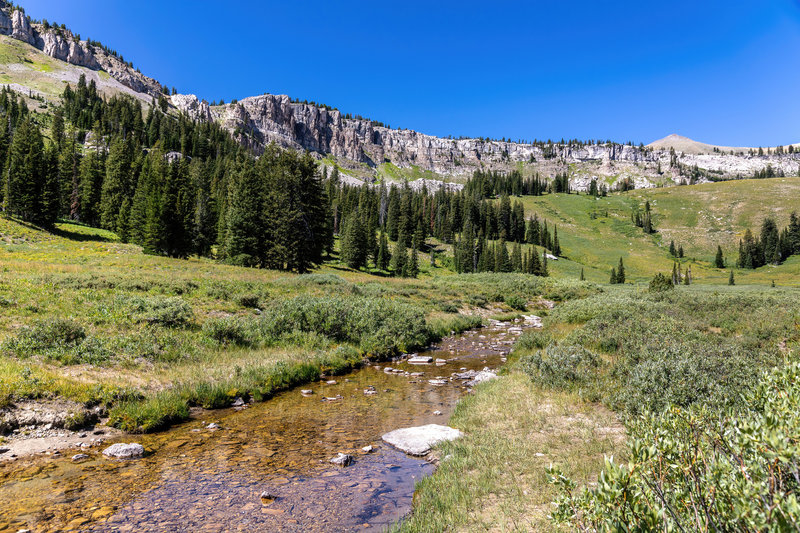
(364, 148)
(62, 44)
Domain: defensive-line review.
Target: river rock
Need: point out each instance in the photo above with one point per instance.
(419, 440)
(123, 451)
(212, 425)
(437, 381)
(342, 459)
(420, 360)
(238, 403)
(306, 392)
(480, 377)
(79, 457)
(367, 449)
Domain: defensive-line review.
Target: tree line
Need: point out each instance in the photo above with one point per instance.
(771, 246)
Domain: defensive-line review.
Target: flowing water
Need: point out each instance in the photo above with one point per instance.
(199, 479)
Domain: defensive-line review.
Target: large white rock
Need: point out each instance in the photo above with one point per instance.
(419, 440)
(124, 451)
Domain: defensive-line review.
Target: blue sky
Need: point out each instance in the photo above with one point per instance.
(723, 72)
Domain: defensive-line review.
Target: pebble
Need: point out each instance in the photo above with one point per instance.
(437, 413)
(331, 382)
(367, 449)
(306, 392)
(212, 425)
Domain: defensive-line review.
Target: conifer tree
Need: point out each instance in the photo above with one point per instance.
(731, 281)
(719, 260)
(116, 184)
(516, 258)
(613, 279)
(399, 256)
(620, 272)
(672, 251)
(384, 256)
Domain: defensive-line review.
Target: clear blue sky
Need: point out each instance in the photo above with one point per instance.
(724, 72)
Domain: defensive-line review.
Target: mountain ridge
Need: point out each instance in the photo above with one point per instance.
(365, 150)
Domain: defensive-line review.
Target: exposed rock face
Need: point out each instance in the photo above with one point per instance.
(63, 45)
(264, 119)
(192, 107)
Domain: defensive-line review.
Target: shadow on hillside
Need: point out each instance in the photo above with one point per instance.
(77, 236)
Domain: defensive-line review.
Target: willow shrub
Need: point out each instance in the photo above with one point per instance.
(698, 470)
(378, 326)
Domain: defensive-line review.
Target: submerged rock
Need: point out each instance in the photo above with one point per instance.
(342, 459)
(79, 457)
(124, 451)
(420, 360)
(419, 440)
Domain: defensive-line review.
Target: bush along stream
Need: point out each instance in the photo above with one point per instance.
(269, 465)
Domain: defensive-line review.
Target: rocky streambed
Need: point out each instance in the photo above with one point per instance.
(268, 467)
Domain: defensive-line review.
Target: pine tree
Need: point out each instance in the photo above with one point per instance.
(731, 281)
(384, 256)
(556, 245)
(620, 272)
(613, 279)
(516, 258)
(680, 251)
(354, 243)
(412, 268)
(399, 257)
(244, 220)
(719, 260)
(583, 277)
(116, 185)
(123, 220)
(27, 181)
(672, 251)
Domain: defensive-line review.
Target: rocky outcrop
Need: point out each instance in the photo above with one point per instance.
(62, 44)
(260, 120)
(192, 107)
(21, 28)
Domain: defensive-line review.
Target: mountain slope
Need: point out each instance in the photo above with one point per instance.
(690, 146)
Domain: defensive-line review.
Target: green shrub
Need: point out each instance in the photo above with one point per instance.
(379, 327)
(660, 283)
(533, 340)
(701, 470)
(516, 302)
(228, 330)
(562, 366)
(168, 312)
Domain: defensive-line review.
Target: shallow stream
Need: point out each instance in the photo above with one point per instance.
(199, 479)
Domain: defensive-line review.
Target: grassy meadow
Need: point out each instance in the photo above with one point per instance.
(90, 319)
(595, 232)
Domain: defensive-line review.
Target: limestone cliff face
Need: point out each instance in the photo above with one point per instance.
(63, 45)
(260, 120)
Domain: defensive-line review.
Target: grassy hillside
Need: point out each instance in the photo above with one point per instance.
(597, 232)
(93, 320)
